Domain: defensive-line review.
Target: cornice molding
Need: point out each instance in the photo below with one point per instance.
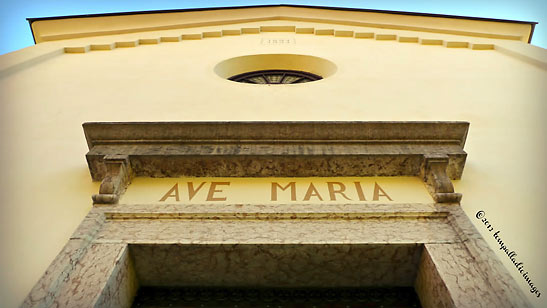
(277, 149)
(329, 32)
(64, 27)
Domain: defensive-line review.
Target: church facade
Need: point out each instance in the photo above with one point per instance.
(274, 149)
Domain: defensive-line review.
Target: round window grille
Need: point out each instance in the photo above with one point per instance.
(275, 77)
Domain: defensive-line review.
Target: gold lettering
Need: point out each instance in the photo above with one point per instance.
(340, 190)
(312, 192)
(360, 192)
(173, 192)
(191, 191)
(377, 195)
(213, 190)
(292, 185)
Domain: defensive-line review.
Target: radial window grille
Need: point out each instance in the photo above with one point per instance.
(275, 77)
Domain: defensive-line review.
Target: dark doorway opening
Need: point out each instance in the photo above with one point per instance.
(206, 297)
(276, 275)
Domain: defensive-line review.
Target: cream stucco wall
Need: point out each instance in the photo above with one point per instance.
(45, 184)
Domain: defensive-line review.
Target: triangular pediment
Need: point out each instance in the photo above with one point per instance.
(72, 27)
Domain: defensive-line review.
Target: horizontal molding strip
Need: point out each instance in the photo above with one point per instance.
(274, 141)
(261, 149)
(284, 131)
(330, 32)
(275, 216)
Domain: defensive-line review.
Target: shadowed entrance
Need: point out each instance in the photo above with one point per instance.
(269, 275)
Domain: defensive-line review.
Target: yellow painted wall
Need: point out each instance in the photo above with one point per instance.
(45, 187)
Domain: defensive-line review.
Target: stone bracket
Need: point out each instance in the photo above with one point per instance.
(117, 178)
(434, 175)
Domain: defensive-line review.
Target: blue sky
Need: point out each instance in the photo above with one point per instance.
(15, 31)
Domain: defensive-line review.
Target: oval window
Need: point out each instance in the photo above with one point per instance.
(275, 77)
(275, 69)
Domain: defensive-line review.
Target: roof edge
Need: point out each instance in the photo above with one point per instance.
(31, 20)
